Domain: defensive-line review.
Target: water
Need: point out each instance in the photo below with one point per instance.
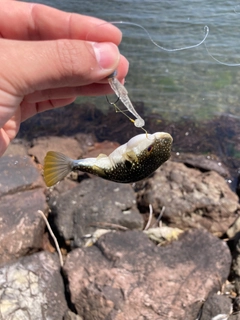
(178, 84)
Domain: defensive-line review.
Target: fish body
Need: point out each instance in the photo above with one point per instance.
(130, 162)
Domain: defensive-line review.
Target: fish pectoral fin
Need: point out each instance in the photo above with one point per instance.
(130, 156)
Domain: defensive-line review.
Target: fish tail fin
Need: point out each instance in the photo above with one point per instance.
(56, 167)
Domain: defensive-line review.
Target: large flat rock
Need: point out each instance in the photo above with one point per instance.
(126, 277)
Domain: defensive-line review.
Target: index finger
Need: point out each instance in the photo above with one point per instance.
(31, 21)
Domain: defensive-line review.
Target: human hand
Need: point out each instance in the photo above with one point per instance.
(47, 58)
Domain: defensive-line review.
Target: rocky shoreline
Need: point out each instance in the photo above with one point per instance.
(190, 273)
(163, 248)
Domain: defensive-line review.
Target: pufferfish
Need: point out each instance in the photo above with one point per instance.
(130, 162)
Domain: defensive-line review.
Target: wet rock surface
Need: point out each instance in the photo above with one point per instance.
(123, 275)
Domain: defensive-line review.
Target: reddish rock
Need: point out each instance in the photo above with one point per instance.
(68, 146)
(16, 147)
(18, 173)
(22, 194)
(125, 276)
(191, 198)
(21, 226)
(105, 147)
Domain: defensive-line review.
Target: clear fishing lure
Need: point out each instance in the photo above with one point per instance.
(122, 94)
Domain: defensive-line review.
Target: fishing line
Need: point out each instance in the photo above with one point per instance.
(217, 60)
(120, 90)
(203, 41)
(206, 31)
(117, 109)
(221, 62)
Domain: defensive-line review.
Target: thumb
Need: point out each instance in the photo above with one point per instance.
(37, 65)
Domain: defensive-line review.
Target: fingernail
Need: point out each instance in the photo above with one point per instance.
(107, 54)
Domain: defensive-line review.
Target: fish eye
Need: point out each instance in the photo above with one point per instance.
(150, 148)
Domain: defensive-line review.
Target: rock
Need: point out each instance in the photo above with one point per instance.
(92, 203)
(234, 244)
(216, 305)
(18, 173)
(202, 162)
(71, 316)
(236, 304)
(32, 288)
(86, 141)
(68, 146)
(16, 147)
(105, 147)
(191, 198)
(124, 276)
(21, 226)
(21, 196)
(234, 229)
(93, 238)
(234, 317)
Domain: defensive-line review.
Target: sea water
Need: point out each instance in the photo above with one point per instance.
(186, 83)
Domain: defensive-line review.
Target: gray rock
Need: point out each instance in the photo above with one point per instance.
(234, 245)
(84, 208)
(21, 226)
(32, 289)
(126, 277)
(235, 316)
(16, 147)
(18, 173)
(203, 162)
(236, 304)
(71, 316)
(216, 305)
(191, 198)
